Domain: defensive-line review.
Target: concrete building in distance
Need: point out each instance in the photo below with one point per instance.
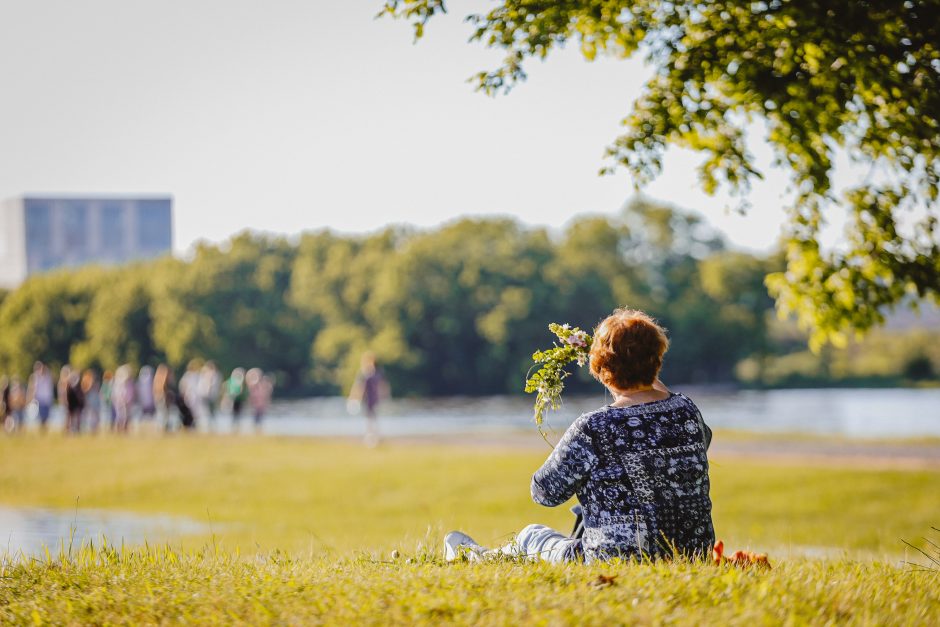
(40, 233)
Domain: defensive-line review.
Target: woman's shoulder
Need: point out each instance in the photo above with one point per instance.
(675, 401)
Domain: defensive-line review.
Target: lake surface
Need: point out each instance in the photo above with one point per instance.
(854, 413)
(28, 531)
(857, 413)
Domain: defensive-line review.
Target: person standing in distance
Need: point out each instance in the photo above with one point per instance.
(369, 388)
(41, 390)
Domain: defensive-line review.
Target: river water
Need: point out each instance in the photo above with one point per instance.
(30, 531)
(854, 413)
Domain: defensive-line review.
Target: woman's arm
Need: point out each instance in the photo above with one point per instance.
(566, 469)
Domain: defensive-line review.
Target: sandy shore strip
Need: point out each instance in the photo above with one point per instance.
(785, 450)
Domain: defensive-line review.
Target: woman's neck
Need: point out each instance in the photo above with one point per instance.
(636, 395)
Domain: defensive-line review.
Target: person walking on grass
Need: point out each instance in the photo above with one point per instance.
(368, 389)
(16, 405)
(106, 393)
(144, 391)
(61, 388)
(179, 398)
(12, 403)
(123, 394)
(161, 397)
(638, 466)
(91, 391)
(41, 390)
(210, 387)
(4, 399)
(74, 402)
(260, 389)
(236, 393)
(189, 389)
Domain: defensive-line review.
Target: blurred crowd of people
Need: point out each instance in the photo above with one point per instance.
(119, 398)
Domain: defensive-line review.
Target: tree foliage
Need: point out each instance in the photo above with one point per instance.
(332, 282)
(825, 76)
(454, 310)
(456, 303)
(119, 326)
(45, 318)
(230, 304)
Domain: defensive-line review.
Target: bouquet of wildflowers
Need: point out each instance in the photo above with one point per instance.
(573, 345)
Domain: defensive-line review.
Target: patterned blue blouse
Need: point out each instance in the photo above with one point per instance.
(641, 475)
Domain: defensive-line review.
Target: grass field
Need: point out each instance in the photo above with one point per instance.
(319, 531)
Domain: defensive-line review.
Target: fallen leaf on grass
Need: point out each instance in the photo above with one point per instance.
(718, 552)
(603, 581)
(742, 559)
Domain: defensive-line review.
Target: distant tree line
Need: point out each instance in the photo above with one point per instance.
(455, 310)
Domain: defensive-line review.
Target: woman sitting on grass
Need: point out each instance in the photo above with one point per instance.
(638, 466)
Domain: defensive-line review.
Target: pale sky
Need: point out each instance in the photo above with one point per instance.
(289, 115)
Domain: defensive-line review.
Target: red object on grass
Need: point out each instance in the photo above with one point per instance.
(742, 559)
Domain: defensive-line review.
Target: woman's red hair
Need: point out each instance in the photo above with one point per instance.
(627, 351)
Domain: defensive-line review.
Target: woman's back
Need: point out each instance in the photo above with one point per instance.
(641, 475)
(638, 466)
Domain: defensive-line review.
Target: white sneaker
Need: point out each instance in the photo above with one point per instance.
(459, 545)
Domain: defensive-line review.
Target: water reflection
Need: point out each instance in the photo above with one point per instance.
(861, 413)
(28, 531)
